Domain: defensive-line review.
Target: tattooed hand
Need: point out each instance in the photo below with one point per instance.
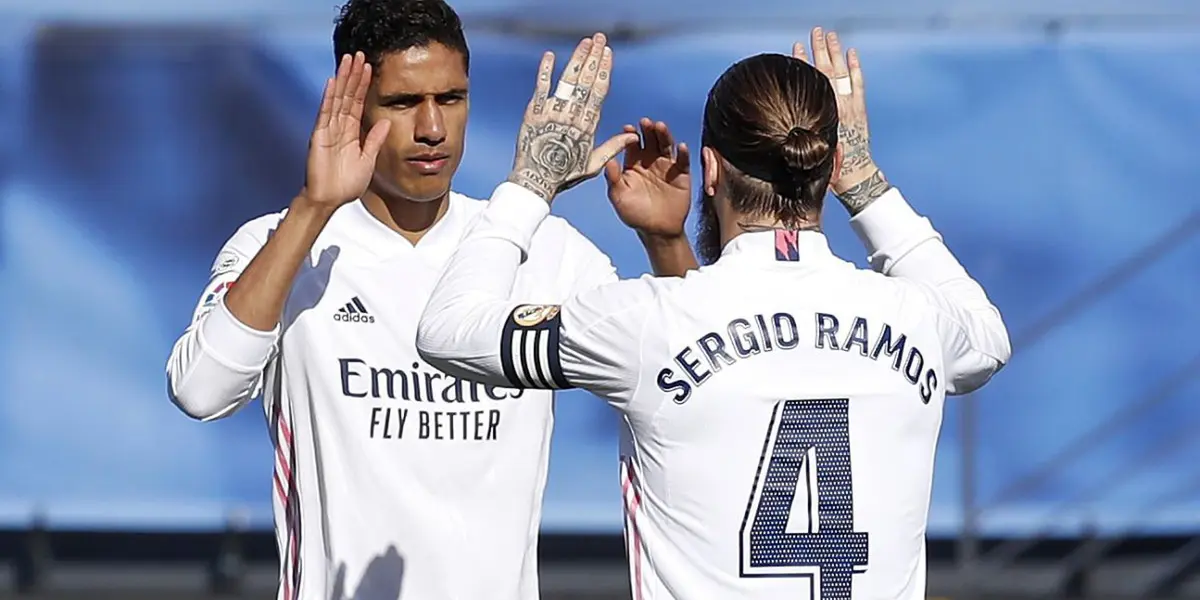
(859, 182)
(554, 147)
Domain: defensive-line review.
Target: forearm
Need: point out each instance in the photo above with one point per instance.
(669, 257)
(858, 191)
(216, 367)
(258, 298)
(459, 330)
(902, 243)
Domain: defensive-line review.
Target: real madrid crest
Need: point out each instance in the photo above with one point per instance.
(534, 314)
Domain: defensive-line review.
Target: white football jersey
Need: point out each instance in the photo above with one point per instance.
(392, 479)
(783, 405)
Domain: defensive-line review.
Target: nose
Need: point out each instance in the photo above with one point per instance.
(430, 126)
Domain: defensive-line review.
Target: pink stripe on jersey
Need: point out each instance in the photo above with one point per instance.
(631, 496)
(288, 493)
(786, 246)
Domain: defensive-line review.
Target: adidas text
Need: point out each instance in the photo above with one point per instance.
(355, 318)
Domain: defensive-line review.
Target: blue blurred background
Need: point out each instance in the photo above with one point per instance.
(1053, 143)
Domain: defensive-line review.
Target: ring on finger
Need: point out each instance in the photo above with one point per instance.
(842, 86)
(564, 90)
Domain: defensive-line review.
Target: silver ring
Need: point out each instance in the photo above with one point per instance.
(842, 86)
(564, 90)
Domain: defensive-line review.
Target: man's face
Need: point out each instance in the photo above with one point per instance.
(423, 92)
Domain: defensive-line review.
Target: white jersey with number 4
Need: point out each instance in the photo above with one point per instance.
(784, 405)
(392, 479)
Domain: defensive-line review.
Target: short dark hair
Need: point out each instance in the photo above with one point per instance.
(379, 27)
(774, 121)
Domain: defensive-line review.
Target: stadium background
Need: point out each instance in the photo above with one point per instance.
(1052, 142)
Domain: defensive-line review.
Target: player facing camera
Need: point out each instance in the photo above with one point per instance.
(418, 89)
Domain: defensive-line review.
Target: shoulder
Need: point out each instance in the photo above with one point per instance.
(246, 241)
(627, 298)
(259, 228)
(909, 300)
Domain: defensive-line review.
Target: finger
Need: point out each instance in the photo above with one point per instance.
(591, 66)
(799, 52)
(325, 113)
(609, 150)
(821, 53)
(570, 76)
(353, 80)
(375, 139)
(339, 85)
(666, 142)
(841, 73)
(683, 159)
(612, 172)
(633, 151)
(360, 93)
(541, 93)
(603, 80)
(598, 87)
(856, 79)
(649, 140)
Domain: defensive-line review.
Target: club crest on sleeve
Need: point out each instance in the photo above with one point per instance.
(225, 263)
(531, 315)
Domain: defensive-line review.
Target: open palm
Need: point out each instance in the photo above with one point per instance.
(340, 163)
(651, 190)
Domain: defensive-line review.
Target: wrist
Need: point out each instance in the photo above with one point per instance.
(534, 182)
(849, 181)
(305, 209)
(660, 240)
(865, 189)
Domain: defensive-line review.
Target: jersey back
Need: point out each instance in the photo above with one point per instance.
(784, 429)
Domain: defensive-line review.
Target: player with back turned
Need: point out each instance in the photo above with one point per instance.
(784, 405)
(393, 479)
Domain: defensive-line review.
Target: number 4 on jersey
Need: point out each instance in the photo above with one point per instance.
(800, 520)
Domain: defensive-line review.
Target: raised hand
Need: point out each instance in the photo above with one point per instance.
(860, 180)
(554, 147)
(651, 191)
(340, 162)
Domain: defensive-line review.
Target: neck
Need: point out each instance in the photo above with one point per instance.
(410, 219)
(740, 223)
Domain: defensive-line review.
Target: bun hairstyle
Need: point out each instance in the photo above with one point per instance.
(773, 119)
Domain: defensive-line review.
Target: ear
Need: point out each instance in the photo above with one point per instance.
(837, 165)
(712, 170)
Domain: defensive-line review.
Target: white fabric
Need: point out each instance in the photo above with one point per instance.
(783, 406)
(390, 475)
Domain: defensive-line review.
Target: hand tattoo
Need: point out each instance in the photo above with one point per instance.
(856, 149)
(862, 195)
(550, 158)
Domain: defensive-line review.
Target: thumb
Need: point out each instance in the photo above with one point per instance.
(609, 149)
(375, 139)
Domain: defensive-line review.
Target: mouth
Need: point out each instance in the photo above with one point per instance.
(429, 163)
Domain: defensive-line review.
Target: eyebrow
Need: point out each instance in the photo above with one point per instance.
(385, 99)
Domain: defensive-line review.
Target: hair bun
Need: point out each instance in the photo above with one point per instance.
(796, 136)
(802, 153)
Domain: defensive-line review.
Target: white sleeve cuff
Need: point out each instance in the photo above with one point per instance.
(890, 228)
(233, 343)
(513, 214)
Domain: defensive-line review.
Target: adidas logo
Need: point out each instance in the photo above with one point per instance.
(353, 312)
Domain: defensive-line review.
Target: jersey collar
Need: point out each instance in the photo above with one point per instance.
(779, 245)
(379, 239)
